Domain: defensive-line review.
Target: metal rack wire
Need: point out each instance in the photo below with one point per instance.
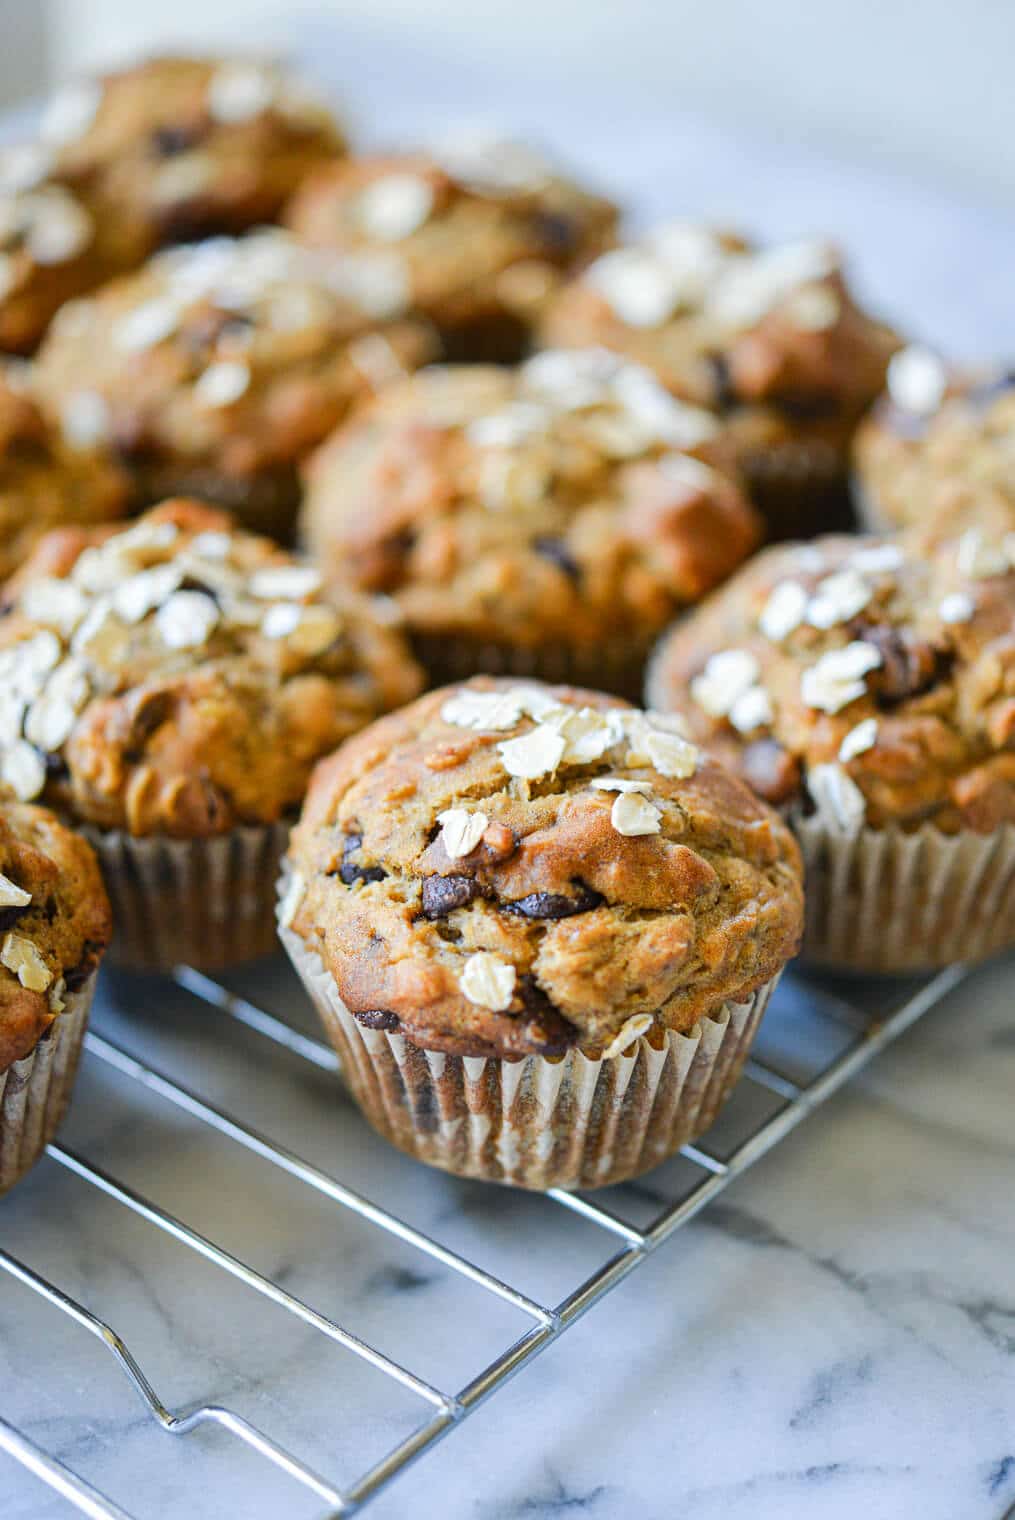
(864, 1021)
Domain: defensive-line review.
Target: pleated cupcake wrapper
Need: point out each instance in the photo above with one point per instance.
(35, 1091)
(571, 1122)
(882, 900)
(615, 664)
(206, 902)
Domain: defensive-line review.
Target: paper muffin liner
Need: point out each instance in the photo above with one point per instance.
(206, 902)
(35, 1091)
(539, 1122)
(614, 665)
(882, 900)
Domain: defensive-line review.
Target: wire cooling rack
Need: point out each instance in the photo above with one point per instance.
(816, 1036)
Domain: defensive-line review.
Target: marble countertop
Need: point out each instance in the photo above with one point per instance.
(834, 1336)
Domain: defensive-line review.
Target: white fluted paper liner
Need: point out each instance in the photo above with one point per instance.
(882, 900)
(613, 665)
(538, 1122)
(35, 1091)
(206, 902)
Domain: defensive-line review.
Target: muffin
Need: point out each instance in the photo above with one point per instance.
(167, 688)
(540, 928)
(866, 687)
(938, 450)
(548, 520)
(216, 367)
(770, 339)
(168, 149)
(479, 226)
(44, 481)
(54, 926)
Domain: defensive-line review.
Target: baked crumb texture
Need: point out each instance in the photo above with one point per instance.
(871, 681)
(938, 451)
(54, 923)
(45, 482)
(171, 148)
(180, 678)
(481, 227)
(215, 369)
(769, 338)
(570, 505)
(508, 869)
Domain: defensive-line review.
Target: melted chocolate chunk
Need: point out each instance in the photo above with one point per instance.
(376, 1018)
(771, 771)
(349, 872)
(909, 665)
(443, 894)
(555, 550)
(170, 140)
(10, 916)
(553, 1033)
(554, 904)
(558, 234)
(724, 397)
(56, 766)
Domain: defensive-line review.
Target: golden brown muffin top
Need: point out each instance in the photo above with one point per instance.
(54, 922)
(179, 677)
(870, 679)
(725, 323)
(238, 354)
(566, 500)
(505, 868)
(44, 483)
(459, 220)
(938, 451)
(188, 145)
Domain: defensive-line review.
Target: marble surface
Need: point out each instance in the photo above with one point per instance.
(834, 1336)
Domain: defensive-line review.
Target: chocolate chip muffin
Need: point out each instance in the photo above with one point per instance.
(168, 149)
(545, 521)
(44, 481)
(480, 226)
(54, 926)
(867, 688)
(541, 928)
(770, 339)
(938, 450)
(168, 688)
(216, 368)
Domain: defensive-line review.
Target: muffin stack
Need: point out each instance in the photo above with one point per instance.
(540, 924)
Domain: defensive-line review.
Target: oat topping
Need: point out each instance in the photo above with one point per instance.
(491, 164)
(980, 558)
(956, 607)
(488, 981)
(784, 611)
(837, 678)
(862, 737)
(917, 380)
(878, 559)
(21, 956)
(461, 831)
(629, 1032)
(728, 675)
(837, 797)
(11, 895)
(687, 268)
(838, 598)
(70, 112)
(240, 90)
(534, 754)
(147, 593)
(633, 815)
(394, 207)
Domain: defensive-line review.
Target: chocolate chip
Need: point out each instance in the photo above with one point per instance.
(909, 665)
(376, 1018)
(554, 904)
(550, 1032)
(56, 766)
(170, 140)
(771, 771)
(10, 916)
(555, 550)
(724, 397)
(443, 894)
(558, 234)
(349, 872)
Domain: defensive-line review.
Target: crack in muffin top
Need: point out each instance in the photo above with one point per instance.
(479, 223)
(55, 922)
(870, 679)
(559, 500)
(179, 677)
(725, 323)
(506, 868)
(44, 482)
(237, 353)
(938, 451)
